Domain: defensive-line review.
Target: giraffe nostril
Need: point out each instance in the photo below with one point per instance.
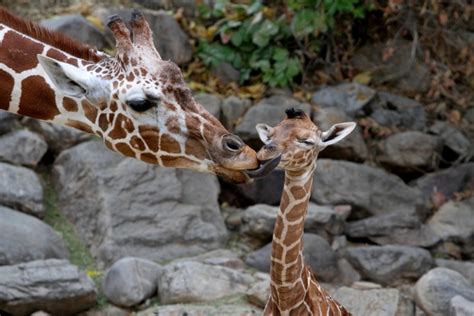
(232, 143)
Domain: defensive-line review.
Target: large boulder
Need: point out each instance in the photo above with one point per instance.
(389, 264)
(410, 151)
(210, 102)
(124, 207)
(317, 253)
(191, 282)
(22, 147)
(454, 221)
(130, 281)
(459, 306)
(393, 228)
(8, 122)
(348, 97)
(466, 268)
(53, 286)
(447, 182)
(220, 257)
(170, 40)
(201, 310)
(270, 111)
(375, 302)
(78, 28)
(352, 147)
(435, 289)
(18, 243)
(233, 109)
(20, 188)
(368, 189)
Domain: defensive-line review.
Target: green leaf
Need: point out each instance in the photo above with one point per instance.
(253, 8)
(263, 34)
(280, 54)
(237, 38)
(293, 68)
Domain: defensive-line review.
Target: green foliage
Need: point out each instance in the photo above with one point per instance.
(259, 40)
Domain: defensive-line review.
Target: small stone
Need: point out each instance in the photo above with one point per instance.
(22, 147)
(18, 244)
(453, 138)
(53, 286)
(349, 97)
(188, 282)
(20, 188)
(389, 264)
(233, 108)
(226, 73)
(435, 289)
(238, 309)
(130, 281)
(8, 122)
(210, 102)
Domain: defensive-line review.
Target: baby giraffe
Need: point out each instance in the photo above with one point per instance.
(295, 143)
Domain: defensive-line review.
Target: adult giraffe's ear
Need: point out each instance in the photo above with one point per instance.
(264, 131)
(74, 81)
(336, 133)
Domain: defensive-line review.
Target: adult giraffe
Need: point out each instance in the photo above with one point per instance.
(295, 143)
(136, 102)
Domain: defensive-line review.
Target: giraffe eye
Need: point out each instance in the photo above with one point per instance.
(141, 105)
(306, 142)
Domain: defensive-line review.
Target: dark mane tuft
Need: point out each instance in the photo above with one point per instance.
(55, 39)
(294, 113)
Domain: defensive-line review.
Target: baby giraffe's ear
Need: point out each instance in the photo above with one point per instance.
(263, 132)
(336, 133)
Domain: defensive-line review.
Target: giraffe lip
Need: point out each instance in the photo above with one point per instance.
(265, 168)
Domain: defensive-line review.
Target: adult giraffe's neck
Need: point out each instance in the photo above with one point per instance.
(25, 88)
(287, 285)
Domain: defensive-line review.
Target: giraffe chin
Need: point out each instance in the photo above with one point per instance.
(232, 176)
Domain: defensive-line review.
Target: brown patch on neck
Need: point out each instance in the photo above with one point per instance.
(6, 89)
(37, 99)
(46, 36)
(19, 52)
(80, 126)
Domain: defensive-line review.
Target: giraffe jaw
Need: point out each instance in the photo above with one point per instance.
(265, 168)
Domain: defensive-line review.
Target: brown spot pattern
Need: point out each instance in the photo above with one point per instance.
(168, 144)
(37, 99)
(19, 52)
(6, 89)
(69, 104)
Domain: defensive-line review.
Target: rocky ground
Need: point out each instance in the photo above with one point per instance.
(390, 227)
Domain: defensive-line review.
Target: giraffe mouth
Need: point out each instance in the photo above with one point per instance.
(265, 168)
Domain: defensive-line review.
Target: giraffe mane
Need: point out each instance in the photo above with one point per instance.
(294, 113)
(44, 35)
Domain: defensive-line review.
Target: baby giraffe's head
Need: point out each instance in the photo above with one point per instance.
(294, 144)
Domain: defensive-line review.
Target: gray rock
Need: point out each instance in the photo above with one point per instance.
(393, 228)
(259, 292)
(408, 74)
(78, 28)
(233, 108)
(435, 289)
(18, 244)
(459, 306)
(366, 188)
(410, 151)
(258, 221)
(57, 136)
(8, 122)
(124, 207)
(469, 115)
(454, 139)
(170, 40)
(20, 188)
(22, 147)
(389, 264)
(210, 102)
(189, 7)
(454, 221)
(448, 182)
(202, 309)
(347, 275)
(219, 257)
(190, 282)
(351, 148)
(466, 268)
(130, 281)
(349, 97)
(375, 302)
(317, 253)
(395, 111)
(226, 73)
(269, 111)
(53, 286)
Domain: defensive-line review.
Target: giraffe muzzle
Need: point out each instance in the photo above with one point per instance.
(265, 168)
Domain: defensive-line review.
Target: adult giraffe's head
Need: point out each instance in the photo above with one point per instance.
(141, 107)
(294, 144)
